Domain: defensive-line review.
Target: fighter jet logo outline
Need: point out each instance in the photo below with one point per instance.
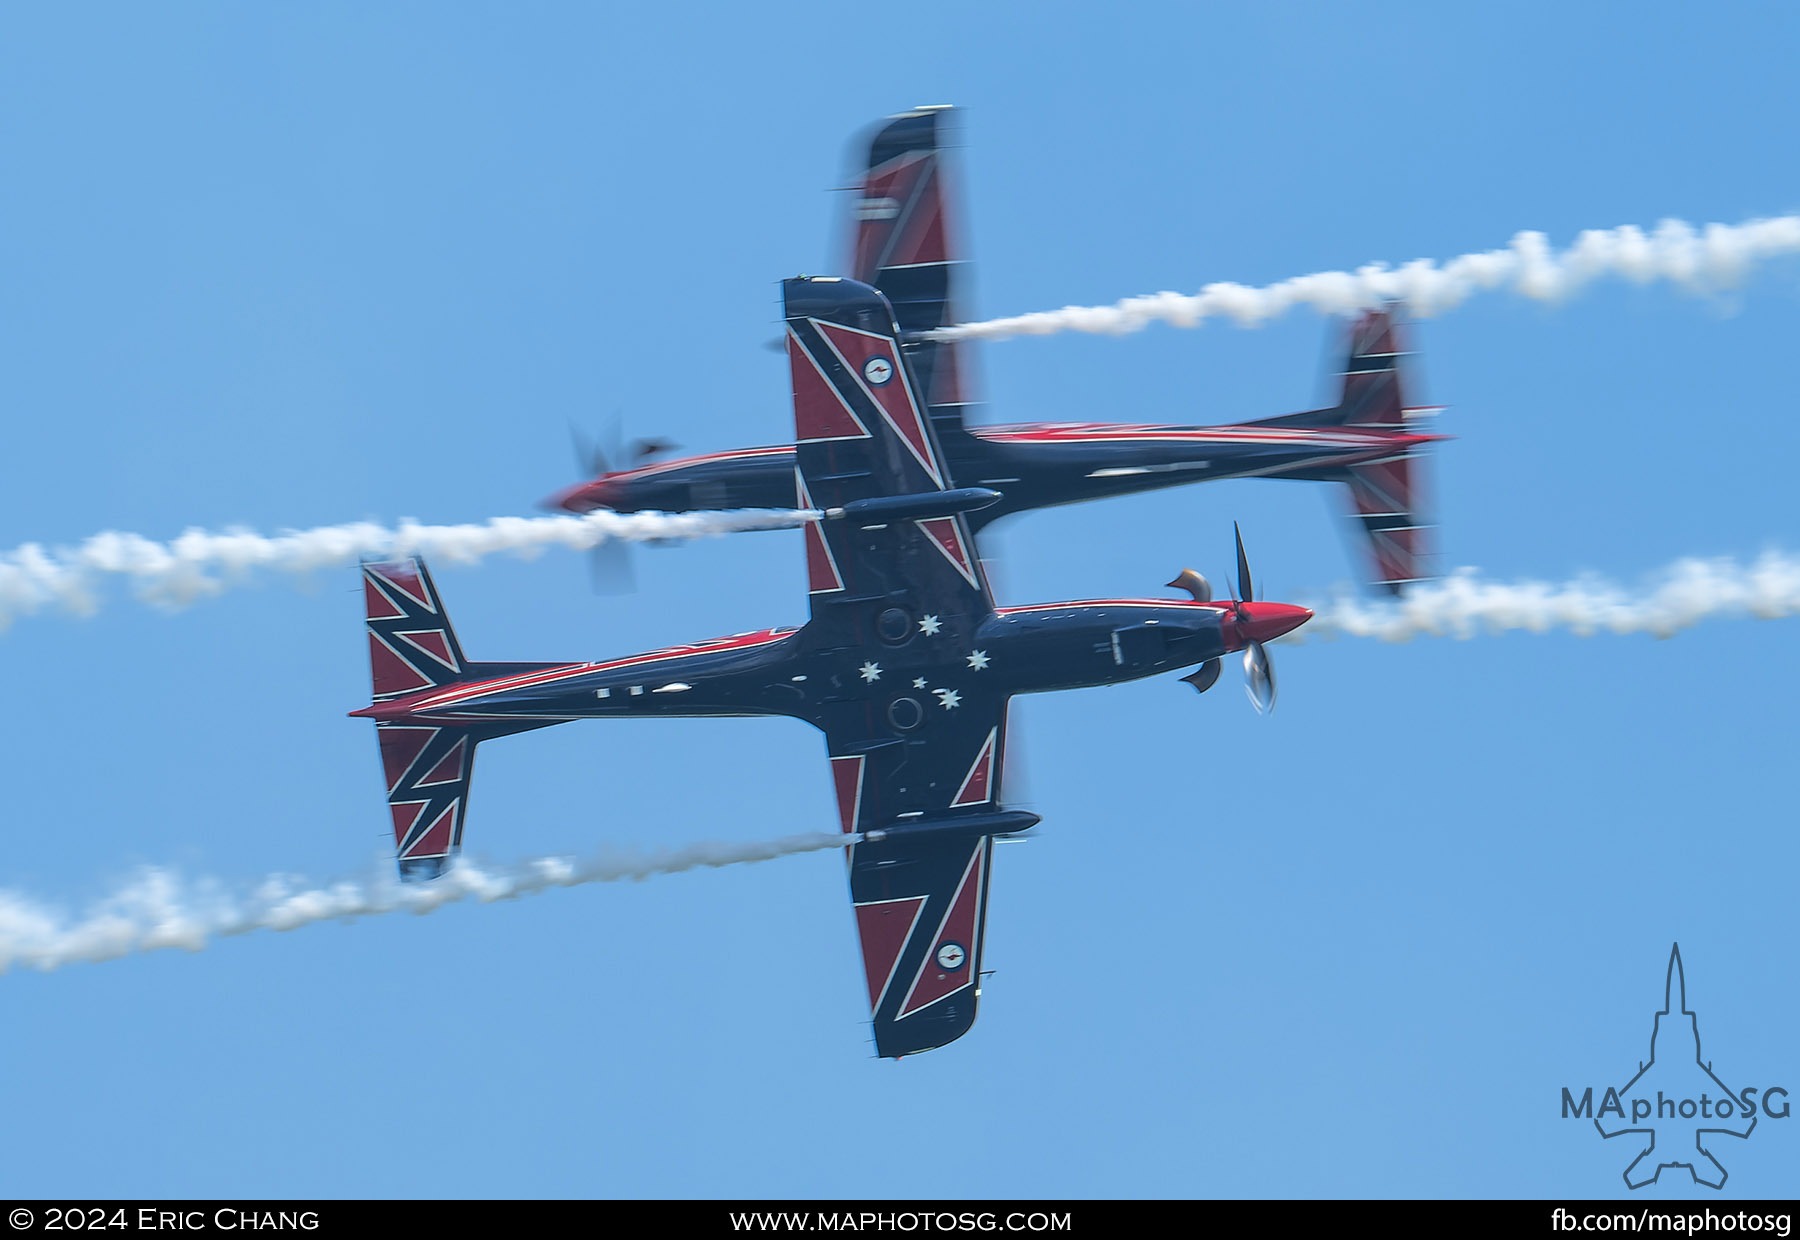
(1678, 1137)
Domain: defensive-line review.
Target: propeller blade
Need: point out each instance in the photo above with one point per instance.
(1195, 584)
(1246, 588)
(597, 458)
(1205, 677)
(613, 455)
(589, 458)
(1259, 678)
(609, 568)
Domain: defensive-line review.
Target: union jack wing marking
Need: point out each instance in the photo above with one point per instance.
(885, 927)
(977, 786)
(820, 412)
(900, 217)
(856, 349)
(847, 780)
(961, 926)
(822, 576)
(946, 534)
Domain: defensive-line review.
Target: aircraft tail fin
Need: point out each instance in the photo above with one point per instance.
(1386, 494)
(1372, 390)
(427, 765)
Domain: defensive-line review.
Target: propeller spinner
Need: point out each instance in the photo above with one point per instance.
(1248, 625)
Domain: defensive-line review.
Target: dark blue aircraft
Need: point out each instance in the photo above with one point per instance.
(904, 244)
(906, 665)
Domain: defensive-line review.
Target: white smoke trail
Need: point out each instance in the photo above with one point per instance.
(158, 909)
(1702, 261)
(201, 563)
(1463, 605)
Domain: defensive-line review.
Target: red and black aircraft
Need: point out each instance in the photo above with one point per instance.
(906, 665)
(903, 244)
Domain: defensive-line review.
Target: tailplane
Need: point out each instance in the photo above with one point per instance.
(1388, 503)
(1387, 500)
(427, 765)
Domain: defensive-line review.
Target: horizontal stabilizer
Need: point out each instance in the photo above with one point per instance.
(1385, 505)
(411, 643)
(1387, 501)
(427, 765)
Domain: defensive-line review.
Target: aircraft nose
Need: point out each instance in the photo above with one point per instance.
(583, 497)
(1264, 622)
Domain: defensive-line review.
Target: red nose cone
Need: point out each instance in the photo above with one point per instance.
(583, 497)
(1264, 622)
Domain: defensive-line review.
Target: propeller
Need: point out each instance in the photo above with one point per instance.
(616, 454)
(1259, 677)
(1259, 673)
(609, 563)
(1251, 623)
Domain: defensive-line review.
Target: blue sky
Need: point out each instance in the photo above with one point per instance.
(284, 268)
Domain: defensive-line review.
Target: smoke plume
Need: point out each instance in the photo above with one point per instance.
(202, 563)
(158, 909)
(1464, 605)
(1700, 261)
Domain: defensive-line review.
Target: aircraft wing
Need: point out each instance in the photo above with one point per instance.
(860, 436)
(920, 890)
(903, 241)
(915, 733)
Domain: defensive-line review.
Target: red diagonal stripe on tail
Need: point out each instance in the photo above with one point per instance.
(400, 748)
(437, 838)
(393, 674)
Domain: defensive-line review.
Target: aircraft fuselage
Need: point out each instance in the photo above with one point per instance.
(1034, 465)
(907, 677)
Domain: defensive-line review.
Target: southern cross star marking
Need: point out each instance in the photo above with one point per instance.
(871, 672)
(978, 659)
(949, 699)
(919, 683)
(930, 625)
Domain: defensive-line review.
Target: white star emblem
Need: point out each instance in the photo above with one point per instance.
(919, 683)
(949, 699)
(930, 625)
(871, 672)
(978, 660)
